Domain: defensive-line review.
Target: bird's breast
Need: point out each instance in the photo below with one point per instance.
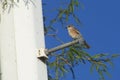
(73, 34)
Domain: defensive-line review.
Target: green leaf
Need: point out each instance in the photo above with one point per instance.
(76, 3)
(101, 74)
(71, 57)
(75, 51)
(67, 17)
(108, 74)
(111, 63)
(92, 67)
(76, 19)
(104, 66)
(115, 55)
(85, 54)
(97, 67)
(53, 20)
(52, 64)
(99, 55)
(63, 69)
(61, 12)
(71, 6)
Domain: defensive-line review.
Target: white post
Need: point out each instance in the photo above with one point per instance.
(7, 47)
(0, 43)
(22, 35)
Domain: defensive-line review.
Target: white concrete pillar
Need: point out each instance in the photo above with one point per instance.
(21, 35)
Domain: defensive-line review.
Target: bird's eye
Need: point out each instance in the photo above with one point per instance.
(69, 26)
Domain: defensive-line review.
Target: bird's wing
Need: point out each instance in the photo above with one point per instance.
(75, 30)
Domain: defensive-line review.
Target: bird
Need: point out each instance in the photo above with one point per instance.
(75, 34)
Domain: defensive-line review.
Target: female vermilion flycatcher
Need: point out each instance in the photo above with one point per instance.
(75, 34)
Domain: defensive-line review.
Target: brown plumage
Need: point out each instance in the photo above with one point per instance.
(75, 34)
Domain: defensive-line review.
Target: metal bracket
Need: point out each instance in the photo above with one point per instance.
(42, 53)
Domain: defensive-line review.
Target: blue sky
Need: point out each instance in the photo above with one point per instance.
(101, 29)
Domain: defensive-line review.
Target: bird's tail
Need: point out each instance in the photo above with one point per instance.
(83, 42)
(86, 45)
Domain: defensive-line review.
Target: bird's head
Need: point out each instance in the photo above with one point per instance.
(70, 26)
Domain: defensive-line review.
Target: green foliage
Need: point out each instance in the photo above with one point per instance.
(74, 55)
(63, 15)
(67, 59)
(69, 10)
